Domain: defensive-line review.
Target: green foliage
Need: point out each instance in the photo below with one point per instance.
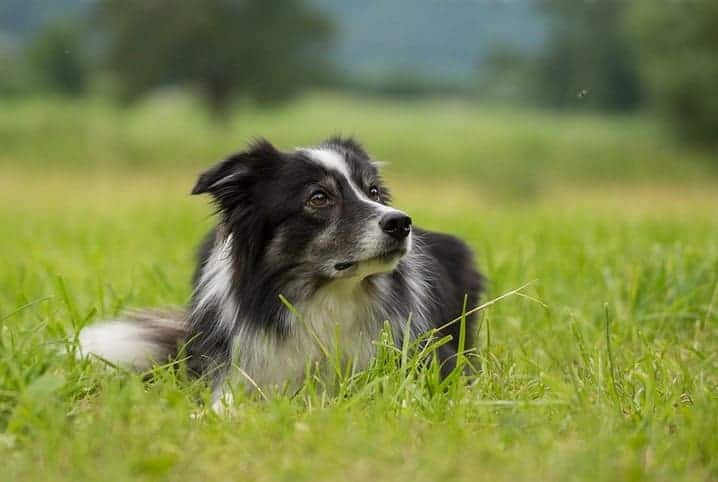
(59, 59)
(677, 43)
(259, 49)
(15, 76)
(588, 60)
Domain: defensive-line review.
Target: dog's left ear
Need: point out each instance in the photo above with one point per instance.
(234, 169)
(220, 174)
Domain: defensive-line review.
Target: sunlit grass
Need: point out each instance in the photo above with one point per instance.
(631, 267)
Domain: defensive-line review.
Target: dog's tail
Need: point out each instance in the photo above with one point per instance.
(137, 340)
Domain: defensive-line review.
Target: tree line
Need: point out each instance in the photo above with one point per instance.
(613, 55)
(262, 50)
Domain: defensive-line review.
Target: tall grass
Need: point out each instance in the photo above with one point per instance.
(615, 378)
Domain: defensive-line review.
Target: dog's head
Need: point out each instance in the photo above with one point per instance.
(321, 212)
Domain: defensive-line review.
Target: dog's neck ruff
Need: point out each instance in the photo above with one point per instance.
(344, 315)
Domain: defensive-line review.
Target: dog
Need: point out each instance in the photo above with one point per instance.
(307, 254)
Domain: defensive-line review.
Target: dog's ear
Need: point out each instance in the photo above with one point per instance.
(221, 174)
(230, 173)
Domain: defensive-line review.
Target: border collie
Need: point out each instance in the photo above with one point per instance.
(307, 253)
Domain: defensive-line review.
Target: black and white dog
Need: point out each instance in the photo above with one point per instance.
(307, 254)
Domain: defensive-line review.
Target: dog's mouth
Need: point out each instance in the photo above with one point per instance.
(386, 257)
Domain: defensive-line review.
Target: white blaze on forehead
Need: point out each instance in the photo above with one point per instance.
(330, 160)
(334, 161)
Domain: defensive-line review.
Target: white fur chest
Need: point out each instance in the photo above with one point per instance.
(336, 323)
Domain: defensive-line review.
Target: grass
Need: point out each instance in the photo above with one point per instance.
(615, 378)
(516, 152)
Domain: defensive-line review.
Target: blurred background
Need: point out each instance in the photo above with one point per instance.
(512, 95)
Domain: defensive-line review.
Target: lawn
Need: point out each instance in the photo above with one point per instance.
(612, 376)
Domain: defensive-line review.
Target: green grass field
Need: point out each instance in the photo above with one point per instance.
(615, 378)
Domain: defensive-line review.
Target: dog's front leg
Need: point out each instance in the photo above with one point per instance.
(223, 400)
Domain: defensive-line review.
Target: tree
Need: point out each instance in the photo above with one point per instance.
(589, 60)
(14, 78)
(678, 47)
(266, 50)
(58, 59)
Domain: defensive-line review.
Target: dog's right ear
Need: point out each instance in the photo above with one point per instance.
(235, 168)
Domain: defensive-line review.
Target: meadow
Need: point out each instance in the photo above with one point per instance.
(604, 368)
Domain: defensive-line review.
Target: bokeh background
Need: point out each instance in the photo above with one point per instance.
(509, 95)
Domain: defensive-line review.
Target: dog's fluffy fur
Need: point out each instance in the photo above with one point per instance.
(307, 254)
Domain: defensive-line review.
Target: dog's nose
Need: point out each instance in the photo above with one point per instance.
(396, 224)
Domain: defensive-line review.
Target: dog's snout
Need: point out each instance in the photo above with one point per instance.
(396, 224)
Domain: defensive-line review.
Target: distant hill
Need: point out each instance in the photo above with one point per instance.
(22, 18)
(444, 39)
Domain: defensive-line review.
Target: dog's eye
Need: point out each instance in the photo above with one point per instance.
(375, 194)
(318, 199)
